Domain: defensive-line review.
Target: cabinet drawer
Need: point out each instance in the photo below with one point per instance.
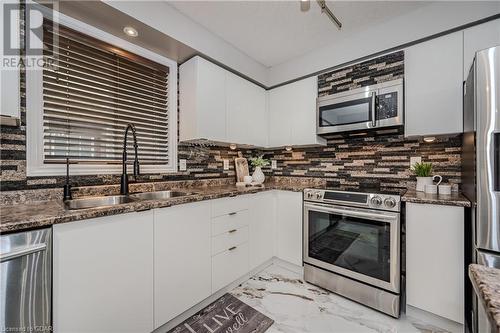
(228, 266)
(230, 205)
(232, 221)
(229, 239)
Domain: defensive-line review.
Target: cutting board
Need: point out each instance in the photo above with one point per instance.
(241, 167)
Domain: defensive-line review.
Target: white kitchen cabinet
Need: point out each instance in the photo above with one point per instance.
(202, 101)
(103, 274)
(262, 227)
(246, 112)
(229, 265)
(435, 259)
(289, 226)
(182, 259)
(9, 77)
(218, 105)
(292, 114)
(433, 86)
(478, 38)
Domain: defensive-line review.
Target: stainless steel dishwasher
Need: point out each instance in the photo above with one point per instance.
(25, 281)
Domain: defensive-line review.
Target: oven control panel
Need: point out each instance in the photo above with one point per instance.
(380, 201)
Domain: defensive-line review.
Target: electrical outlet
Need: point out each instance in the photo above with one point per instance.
(226, 164)
(182, 165)
(414, 160)
(274, 164)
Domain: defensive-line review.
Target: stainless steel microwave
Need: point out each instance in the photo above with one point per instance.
(376, 106)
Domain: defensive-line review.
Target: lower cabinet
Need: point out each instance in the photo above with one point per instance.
(103, 274)
(262, 227)
(229, 265)
(289, 226)
(182, 260)
(434, 259)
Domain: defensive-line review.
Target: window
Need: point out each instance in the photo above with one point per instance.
(82, 104)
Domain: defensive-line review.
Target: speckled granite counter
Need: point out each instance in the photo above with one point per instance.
(486, 282)
(454, 199)
(18, 217)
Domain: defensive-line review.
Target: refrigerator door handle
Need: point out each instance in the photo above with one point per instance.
(496, 162)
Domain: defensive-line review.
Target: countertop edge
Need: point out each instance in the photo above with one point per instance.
(489, 304)
(455, 199)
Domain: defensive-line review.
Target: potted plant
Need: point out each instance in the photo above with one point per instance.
(258, 162)
(423, 173)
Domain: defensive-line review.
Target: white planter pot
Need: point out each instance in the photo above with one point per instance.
(258, 176)
(422, 181)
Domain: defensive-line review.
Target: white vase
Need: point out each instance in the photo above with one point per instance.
(258, 176)
(422, 181)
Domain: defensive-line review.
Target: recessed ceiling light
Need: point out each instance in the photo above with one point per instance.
(430, 139)
(288, 148)
(232, 146)
(129, 31)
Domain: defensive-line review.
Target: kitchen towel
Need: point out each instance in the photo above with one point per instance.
(225, 315)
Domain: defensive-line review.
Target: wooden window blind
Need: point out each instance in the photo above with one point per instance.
(92, 92)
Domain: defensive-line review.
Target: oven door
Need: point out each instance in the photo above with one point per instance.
(353, 110)
(362, 244)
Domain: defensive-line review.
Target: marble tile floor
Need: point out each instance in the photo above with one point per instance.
(299, 307)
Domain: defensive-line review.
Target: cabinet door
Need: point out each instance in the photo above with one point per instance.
(9, 78)
(103, 274)
(289, 226)
(182, 266)
(433, 86)
(262, 228)
(292, 114)
(246, 112)
(202, 101)
(478, 38)
(211, 101)
(435, 259)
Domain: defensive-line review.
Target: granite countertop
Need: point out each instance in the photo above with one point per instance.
(486, 283)
(46, 213)
(453, 199)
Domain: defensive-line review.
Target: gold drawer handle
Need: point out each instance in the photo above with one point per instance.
(232, 248)
(231, 231)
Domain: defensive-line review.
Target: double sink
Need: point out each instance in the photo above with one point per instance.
(113, 200)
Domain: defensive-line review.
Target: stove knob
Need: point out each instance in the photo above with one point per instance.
(390, 203)
(309, 195)
(376, 201)
(318, 195)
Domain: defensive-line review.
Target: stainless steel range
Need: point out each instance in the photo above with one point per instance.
(352, 245)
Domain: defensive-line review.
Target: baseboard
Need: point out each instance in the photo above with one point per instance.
(188, 313)
(433, 319)
(289, 266)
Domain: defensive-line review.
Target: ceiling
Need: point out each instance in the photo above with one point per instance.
(273, 32)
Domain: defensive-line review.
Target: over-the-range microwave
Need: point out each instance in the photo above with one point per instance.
(371, 107)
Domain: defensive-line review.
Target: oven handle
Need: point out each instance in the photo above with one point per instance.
(353, 213)
(374, 106)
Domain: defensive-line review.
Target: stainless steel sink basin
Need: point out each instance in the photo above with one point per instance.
(94, 202)
(160, 195)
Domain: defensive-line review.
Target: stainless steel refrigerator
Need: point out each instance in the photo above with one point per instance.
(481, 161)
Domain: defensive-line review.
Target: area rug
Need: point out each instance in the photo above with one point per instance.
(226, 315)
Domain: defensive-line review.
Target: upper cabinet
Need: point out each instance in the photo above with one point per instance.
(9, 77)
(202, 99)
(433, 86)
(220, 106)
(246, 112)
(292, 114)
(478, 38)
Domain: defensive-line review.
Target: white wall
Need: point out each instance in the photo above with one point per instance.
(165, 18)
(423, 22)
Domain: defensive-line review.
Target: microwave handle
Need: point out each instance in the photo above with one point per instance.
(374, 105)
